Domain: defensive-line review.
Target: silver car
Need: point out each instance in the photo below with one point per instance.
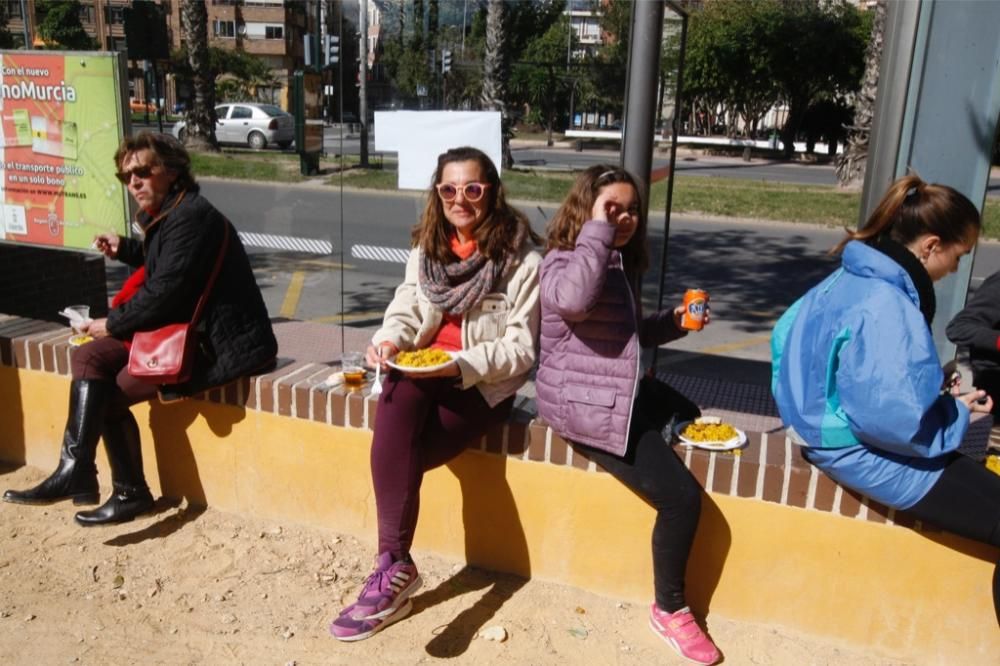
(251, 124)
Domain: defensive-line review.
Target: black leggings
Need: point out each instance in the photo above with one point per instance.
(652, 470)
(966, 501)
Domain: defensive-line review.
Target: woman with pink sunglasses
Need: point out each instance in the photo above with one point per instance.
(471, 289)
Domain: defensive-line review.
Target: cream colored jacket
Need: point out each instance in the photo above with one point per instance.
(499, 335)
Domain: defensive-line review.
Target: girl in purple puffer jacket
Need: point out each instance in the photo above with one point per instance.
(590, 386)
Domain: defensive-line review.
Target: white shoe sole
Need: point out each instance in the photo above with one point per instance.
(400, 613)
(658, 630)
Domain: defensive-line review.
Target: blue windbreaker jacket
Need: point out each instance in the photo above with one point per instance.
(857, 380)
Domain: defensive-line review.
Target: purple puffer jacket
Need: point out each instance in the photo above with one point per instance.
(588, 370)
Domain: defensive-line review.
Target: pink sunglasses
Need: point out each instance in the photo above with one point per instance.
(471, 191)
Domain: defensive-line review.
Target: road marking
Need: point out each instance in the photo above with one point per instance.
(292, 296)
(293, 243)
(322, 263)
(358, 316)
(733, 346)
(376, 253)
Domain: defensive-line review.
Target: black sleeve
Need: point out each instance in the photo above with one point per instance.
(130, 251)
(186, 248)
(978, 325)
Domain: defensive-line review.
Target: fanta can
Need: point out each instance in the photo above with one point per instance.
(695, 302)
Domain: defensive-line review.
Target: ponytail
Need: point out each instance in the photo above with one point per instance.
(912, 208)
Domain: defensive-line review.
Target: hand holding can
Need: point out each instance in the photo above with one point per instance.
(695, 304)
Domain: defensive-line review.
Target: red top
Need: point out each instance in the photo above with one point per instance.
(449, 336)
(128, 290)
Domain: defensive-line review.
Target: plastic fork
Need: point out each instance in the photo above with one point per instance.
(377, 384)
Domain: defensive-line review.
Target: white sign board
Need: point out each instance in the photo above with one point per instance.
(420, 136)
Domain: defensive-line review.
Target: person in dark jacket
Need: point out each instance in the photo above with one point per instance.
(977, 328)
(182, 235)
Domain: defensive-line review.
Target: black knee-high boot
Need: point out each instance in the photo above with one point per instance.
(130, 495)
(76, 476)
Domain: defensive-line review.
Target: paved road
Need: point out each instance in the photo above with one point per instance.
(753, 271)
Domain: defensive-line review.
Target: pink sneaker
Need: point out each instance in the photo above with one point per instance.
(682, 633)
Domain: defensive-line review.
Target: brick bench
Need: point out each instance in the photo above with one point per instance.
(776, 539)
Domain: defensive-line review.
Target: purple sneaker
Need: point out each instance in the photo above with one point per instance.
(388, 586)
(346, 628)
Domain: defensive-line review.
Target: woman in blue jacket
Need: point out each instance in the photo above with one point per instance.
(858, 381)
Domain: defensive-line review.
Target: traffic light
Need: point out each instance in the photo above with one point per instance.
(331, 50)
(445, 61)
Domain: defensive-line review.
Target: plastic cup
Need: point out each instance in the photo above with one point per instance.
(353, 370)
(83, 312)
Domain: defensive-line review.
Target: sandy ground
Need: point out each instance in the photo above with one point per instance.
(192, 586)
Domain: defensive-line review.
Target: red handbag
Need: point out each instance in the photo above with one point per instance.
(166, 355)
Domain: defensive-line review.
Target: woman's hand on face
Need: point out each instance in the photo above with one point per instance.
(97, 328)
(606, 209)
(107, 244)
(375, 356)
(972, 401)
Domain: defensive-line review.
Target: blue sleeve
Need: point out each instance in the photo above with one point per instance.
(889, 384)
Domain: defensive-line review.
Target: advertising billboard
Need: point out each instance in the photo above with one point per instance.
(60, 124)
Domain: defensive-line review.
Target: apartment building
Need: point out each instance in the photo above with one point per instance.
(272, 30)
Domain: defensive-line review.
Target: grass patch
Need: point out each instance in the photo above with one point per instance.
(760, 200)
(246, 165)
(724, 197)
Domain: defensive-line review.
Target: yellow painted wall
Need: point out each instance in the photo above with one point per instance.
(896, 591)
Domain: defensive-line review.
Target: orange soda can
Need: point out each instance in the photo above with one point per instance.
(695, 302)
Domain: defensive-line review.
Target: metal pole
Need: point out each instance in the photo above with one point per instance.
(645, 40)
(363, 81)
(675, 131)
(26, 23)
(465, 11)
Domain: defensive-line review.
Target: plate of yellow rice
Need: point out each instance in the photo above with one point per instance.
(421, 361)
(710, 433)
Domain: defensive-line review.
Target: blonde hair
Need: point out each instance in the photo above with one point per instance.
(576, 209)
(912, 208)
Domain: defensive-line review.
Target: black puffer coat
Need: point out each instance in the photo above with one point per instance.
(179, 250)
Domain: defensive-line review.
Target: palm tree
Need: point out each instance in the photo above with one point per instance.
(851, 163)
(200, 131)
(495, 71)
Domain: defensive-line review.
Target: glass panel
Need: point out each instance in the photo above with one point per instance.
(333, 252)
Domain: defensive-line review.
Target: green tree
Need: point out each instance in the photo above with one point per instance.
(59, 26)
(540, 80)
(729, 60)
(818, 49)
(7, 40)
(746, 55)
(237, 75)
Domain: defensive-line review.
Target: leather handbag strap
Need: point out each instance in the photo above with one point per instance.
(215, 273)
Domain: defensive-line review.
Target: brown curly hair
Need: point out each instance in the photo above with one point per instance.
(494, 236)
(576, 209)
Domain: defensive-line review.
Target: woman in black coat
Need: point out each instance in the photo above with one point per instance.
(182, 236)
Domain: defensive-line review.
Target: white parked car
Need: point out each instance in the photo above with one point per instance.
(250, 124)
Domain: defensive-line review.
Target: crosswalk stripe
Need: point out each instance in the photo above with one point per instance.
(376, 253)
(292, 243)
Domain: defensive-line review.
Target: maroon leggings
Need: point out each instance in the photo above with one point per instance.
(106, 359)
(420, 424)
